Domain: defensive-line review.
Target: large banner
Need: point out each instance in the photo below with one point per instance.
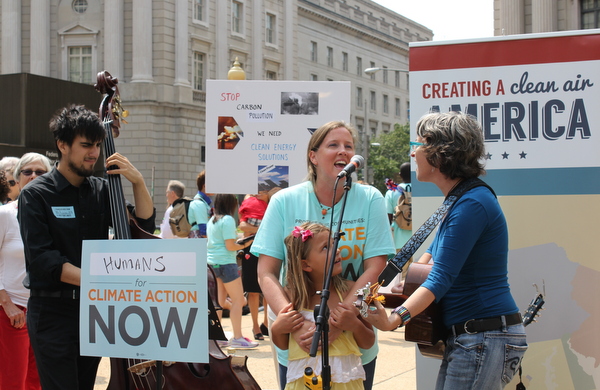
(257, 131)
(537, 98)
(144, 299)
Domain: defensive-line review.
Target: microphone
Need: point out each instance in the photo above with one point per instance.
(356, 162)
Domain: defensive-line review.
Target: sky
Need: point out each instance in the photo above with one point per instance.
(449, 20)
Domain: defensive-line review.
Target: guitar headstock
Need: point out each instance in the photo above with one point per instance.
(534, 307)
(365, 296)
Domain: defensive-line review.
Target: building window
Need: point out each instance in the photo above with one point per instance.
(237, 17)
(199, 10)
(198, 81)
(344, 61)
(80, 6)
(385, 75)
(590, 14)
(271, 75)
(386, 103)
(80, 64)
(313, 77)
(372, 74)
(313, 51)
(359, 68)
(398, 109)
(397, 79)
(359, 97)
(330, 56)
(373, 101)
(270, 28)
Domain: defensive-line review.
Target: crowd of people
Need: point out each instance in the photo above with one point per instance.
(277, 252)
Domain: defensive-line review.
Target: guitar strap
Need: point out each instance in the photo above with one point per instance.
(396, 264)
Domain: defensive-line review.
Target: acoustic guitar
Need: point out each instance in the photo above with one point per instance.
(426, 329)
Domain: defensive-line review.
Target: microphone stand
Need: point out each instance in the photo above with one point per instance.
(322, 310)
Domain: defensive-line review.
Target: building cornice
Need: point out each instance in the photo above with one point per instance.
(343, 22)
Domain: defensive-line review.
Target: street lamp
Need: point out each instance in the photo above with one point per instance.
(236, 72)
(370, 71)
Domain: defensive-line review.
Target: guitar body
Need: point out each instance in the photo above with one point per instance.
(427, 328)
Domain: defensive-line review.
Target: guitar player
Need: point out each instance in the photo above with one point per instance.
(469, 254)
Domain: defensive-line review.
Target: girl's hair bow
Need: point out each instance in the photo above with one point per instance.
(299, 232)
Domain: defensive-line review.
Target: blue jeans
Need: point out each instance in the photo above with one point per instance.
(486, 360)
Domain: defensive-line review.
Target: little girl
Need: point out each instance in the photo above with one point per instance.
(221, 230)
(307, 252)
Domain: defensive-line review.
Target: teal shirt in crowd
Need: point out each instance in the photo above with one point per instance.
(224, 229)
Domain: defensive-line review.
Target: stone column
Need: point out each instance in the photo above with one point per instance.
(181, 43)
(258, 39)
(543, 16)
(512, 17)
(114, 26)
(11, 36)
(289, 63)
(142, 41)
(222, 48)
(40, 37)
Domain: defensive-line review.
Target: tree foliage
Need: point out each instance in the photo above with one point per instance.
(385, 159)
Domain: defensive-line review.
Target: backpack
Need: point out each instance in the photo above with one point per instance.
(178, 218)
(403, 210)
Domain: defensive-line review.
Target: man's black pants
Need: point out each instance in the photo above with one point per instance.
(53, 325)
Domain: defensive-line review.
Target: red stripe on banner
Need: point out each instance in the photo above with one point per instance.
(506, 52)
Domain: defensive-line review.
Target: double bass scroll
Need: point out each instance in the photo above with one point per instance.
(111, 113)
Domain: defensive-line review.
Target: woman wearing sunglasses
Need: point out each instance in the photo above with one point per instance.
(15, 349)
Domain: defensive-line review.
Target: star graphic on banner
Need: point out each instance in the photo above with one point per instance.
(488, 156)
(504, 156)
(523, 154)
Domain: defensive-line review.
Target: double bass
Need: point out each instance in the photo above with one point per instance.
(229, 372)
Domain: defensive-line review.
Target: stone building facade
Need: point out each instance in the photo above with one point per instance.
(163, 52)
(539, 16)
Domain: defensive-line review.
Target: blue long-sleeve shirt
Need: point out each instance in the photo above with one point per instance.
(470, 252)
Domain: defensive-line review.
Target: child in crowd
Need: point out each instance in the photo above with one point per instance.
(308, 248)
(222, 249)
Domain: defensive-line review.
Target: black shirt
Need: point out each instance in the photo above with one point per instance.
(55, 217)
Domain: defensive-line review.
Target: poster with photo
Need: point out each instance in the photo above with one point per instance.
(257, 131)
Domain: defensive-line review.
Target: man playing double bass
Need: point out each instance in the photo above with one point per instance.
(56, 213)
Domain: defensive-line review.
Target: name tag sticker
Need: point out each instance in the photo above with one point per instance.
(64, 212)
